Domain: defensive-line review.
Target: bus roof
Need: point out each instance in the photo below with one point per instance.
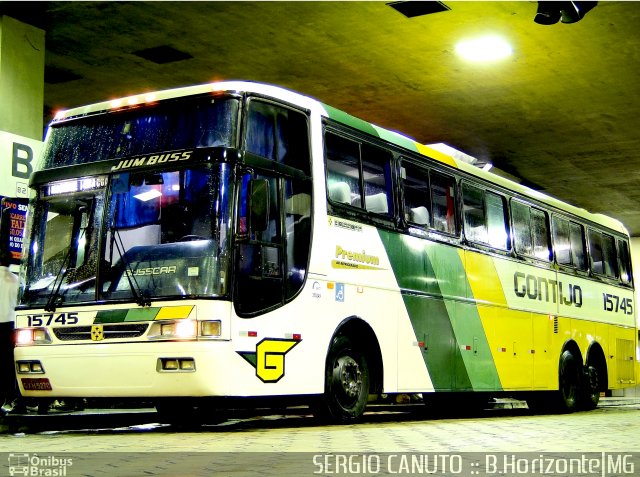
(326, 110)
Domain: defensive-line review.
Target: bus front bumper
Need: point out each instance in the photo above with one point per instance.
(157, 369)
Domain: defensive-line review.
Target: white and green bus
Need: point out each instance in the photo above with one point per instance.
(238, 240)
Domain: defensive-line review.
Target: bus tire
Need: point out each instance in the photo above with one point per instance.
(346, 383)
(590, 395)
(568, 382)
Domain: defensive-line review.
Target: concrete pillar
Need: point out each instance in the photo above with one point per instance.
(21, 109)
(21, 78)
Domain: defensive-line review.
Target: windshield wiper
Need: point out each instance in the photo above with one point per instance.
(134, 286)
(55, 298)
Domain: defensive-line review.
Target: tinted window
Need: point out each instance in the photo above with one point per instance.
(376, 170)
(578, 254)
(610, 257)
(443, 195)
(278, 134)
(625, 262)
(602, 251)
(568, 243)
(540, 235)
(475, 228)
(497, 228)
(521, 215)
(203, 122)
(561, 243)
(343, 173)
(416, 195)
(531, 231)
(358, 174)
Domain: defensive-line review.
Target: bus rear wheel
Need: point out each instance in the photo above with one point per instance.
(590, 388)
(346, 383)
(569, 382)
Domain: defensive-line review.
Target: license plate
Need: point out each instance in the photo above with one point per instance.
(36, 384)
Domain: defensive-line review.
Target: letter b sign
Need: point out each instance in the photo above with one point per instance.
(21, 161)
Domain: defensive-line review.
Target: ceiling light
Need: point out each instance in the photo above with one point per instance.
(486, 48)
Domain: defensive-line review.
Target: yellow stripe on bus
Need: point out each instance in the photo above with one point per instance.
(174, 312)
(437, 155)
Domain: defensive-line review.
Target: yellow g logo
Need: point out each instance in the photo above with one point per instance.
(268, 358)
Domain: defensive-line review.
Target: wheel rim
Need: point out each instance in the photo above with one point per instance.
(593, 384)
(348, 375)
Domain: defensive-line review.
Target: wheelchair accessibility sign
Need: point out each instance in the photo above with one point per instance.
(339, 291)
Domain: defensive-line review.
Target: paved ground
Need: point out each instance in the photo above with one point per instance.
(295, 444)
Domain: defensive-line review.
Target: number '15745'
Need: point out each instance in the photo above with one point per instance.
(616, 304)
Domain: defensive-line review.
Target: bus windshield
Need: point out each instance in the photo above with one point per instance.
(200, 122)
(144, 235)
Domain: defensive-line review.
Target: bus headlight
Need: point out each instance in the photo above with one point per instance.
(185, 329)
(211, 328)
(32, 336)
(178, 330)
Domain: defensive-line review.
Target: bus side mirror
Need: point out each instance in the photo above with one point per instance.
(258, 205)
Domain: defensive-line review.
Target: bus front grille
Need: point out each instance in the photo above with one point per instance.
(110, 331)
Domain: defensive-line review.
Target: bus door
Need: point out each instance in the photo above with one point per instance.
(273, 237)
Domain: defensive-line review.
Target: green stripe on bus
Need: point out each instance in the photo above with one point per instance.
(142, 314)
(396, 138)
(434, 284)
(349, 120)
(110, 316)
(471, 339)
(119, 316)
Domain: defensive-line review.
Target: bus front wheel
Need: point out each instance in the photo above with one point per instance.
(346, 383)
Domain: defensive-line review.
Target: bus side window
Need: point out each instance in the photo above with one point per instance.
(596, 254)
(531, 231)
(415, 186)
(540, 234)
(485, 220)
(568, 243)
(343, 170)
(298, 233)
(475, 228)
(376, 169)
(624, 260)
(279, 134)
(443, 193)
(610, 256)
(561, 242)
(578, 252)
(602, 250)
(497, 221)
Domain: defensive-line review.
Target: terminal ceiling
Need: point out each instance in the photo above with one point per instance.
(562, 113)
